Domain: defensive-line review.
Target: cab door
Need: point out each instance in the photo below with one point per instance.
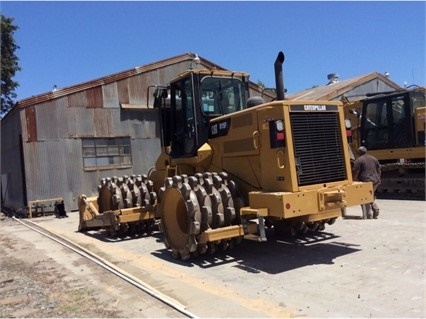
(183, 121)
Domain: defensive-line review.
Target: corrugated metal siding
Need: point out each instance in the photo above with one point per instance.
(137, 85)
(123, 91)
(78, 99)
(102, 122)
(30, 121)
(54, 165)
(141, 123)
(53, 169)
(61, 120)
(52, 120)
(93, 122)
(10, 130)
(94, 97)
(80, 122)
(22, 123)
(144, 154)
(145, 129)
(11, 161)
(11, 171)
(120, 128)
(110, 95)
(47, 121)
(165, 74)
(150, 79)
(136, 90)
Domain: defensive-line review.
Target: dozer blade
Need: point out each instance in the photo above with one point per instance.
(90, 218)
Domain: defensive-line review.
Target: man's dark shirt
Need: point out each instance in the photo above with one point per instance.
(367, 169)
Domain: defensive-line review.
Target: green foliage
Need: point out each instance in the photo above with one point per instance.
(9, 64)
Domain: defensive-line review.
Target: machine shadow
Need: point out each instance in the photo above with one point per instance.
(277, 255)
(103, 236)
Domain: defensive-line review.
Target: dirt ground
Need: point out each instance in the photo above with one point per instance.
(355, 268)
(42, 279)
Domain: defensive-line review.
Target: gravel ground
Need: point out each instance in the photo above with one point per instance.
(33, 285)
(36, 285)
(355, 269)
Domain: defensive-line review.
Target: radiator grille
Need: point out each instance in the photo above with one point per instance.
(318, 147)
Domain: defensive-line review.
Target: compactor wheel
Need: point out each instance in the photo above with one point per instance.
(179, 211)
(126, 192)
(109, 197)
(191, 205)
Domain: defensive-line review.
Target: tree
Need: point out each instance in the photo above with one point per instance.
(9, 64)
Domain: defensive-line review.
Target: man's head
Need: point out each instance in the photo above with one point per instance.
(362, 150)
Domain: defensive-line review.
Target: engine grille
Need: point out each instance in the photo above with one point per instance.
(318, 147)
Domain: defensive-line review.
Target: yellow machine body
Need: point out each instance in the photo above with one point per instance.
(263, 163)
(231, 167)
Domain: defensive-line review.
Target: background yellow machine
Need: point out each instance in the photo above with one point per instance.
(232, 166)
(392, 127)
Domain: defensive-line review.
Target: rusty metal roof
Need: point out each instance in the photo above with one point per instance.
(327, 92)
(334, 90)
(37, 99)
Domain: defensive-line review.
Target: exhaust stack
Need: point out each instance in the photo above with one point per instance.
(279, 80)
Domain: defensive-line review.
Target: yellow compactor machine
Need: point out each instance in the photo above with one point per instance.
(231, 166)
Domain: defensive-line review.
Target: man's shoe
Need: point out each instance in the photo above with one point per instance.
(376, 214)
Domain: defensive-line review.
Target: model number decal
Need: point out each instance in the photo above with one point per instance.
(220, 128)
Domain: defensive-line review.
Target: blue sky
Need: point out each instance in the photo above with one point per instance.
(67, 43)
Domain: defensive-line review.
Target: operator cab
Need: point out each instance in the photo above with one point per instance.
(193, 99)
(388, 121)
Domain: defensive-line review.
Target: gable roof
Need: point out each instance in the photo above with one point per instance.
(40, 98)
(327, 92)
(336, 90)
(60, 92)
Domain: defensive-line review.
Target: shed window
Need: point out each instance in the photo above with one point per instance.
(106, 152)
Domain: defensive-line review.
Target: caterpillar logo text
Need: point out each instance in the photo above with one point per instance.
(311, 107)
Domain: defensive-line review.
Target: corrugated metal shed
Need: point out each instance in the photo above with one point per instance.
(53, 125)
(354, 88)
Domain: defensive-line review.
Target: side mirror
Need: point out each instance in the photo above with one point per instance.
(160, 93)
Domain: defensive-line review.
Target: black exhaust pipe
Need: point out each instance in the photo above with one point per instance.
(279, 80)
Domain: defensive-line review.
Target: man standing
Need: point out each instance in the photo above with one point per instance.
(367, 169)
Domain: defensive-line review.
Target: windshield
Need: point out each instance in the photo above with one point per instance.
(418, 100)
(387, 122)
(221, 95)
